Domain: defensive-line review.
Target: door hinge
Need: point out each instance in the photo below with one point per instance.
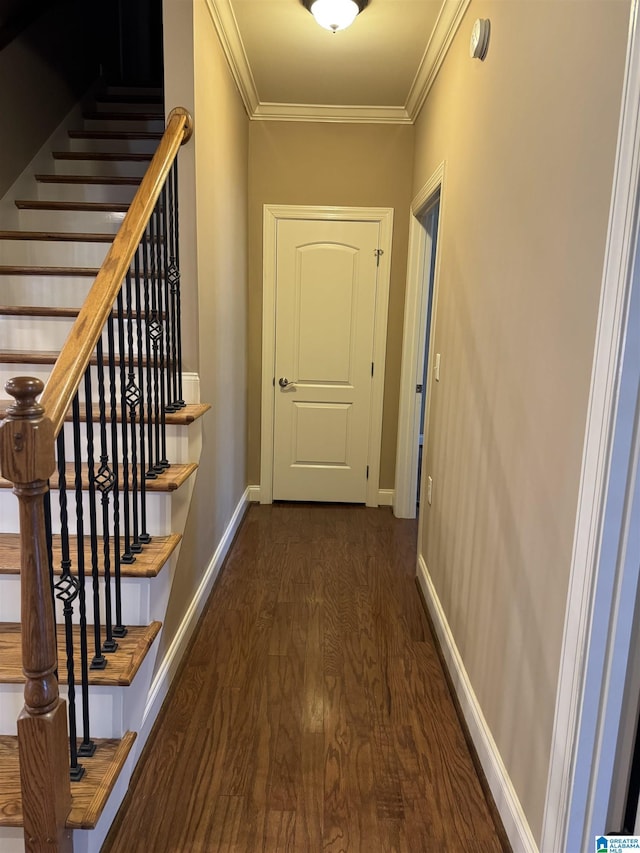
(377, 253)
(372, 368)
(367, 472)
(418, 389)
(274, 381)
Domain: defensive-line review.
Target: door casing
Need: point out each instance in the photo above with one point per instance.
(272, 215)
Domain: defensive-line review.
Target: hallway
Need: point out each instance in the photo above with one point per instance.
(310, 712)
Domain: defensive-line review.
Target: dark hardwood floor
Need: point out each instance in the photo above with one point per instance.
(311, 712)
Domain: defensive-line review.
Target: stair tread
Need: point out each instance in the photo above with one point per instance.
(30, 269)
(110, 156)
(94, 180)
(182, 417)
(148, 563)
(115, 134)
(168, 481)
(131, 98)
(88, 206)
(122, 665)
(114, 115)
(58, 236)
(88, 796)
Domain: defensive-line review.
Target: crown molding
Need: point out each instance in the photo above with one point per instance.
(226, 26)
(449, 19)
(331, 113)
(224, 20)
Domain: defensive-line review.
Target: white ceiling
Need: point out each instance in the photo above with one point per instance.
(379, 69)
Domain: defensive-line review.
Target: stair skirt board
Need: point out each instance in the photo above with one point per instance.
(506, 800)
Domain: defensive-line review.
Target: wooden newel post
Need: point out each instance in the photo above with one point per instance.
(27, 460)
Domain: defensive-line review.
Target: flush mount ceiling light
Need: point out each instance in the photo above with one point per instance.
(335, 15)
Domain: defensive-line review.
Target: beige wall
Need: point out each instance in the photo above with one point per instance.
(528, 137)
(213, 223)
(330, 164)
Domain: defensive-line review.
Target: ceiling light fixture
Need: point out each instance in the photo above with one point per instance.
(335, 15)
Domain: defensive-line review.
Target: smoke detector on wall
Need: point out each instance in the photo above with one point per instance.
(479, 38)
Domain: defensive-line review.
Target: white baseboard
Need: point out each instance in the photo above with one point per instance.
(254, 494)
(386, 497)
(167, 669)
(504, 795)
(191, 387)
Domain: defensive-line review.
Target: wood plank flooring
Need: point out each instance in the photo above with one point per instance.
(311, 712)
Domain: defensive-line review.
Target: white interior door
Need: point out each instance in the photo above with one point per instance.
(324, 331)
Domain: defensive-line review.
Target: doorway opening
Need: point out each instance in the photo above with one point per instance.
(419, 317)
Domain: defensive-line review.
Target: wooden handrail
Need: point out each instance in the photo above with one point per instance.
(72, 362)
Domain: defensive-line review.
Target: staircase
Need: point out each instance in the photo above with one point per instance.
(53, 242)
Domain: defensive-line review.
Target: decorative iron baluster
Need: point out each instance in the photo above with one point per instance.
(141, 310)
(154, 331)
(180, 401)
(98, 661)
(126, 556)
(158, 217)
(150, 473)
(87, 747)
(170, 327)
(66, 591)
(119, 629)
(105, 482)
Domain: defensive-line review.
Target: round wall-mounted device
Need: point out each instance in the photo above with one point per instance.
(479, 38)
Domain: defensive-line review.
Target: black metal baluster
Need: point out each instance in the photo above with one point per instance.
(158, 215)
(87, 747)
(98, 661)
(66, 591)
(180, 401)
(141, 311)
(167, 227)
(126, 556)
(148, 316)
(132, 399)
(154, 331)
(105, 481)
(119, 629)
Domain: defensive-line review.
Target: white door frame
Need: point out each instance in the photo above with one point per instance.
(272, 215)
(416, 295)
(605, 557)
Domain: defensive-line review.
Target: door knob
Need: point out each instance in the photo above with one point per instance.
(283, 382)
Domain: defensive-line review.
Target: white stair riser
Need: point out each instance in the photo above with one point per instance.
(50, 191)
(113, 168)
(158, 512)
(54, 291)
(12, 840)
(50, 253)
(135, 599)
(177, 440)
(137, 146)
(106, 711)
(95, 222)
